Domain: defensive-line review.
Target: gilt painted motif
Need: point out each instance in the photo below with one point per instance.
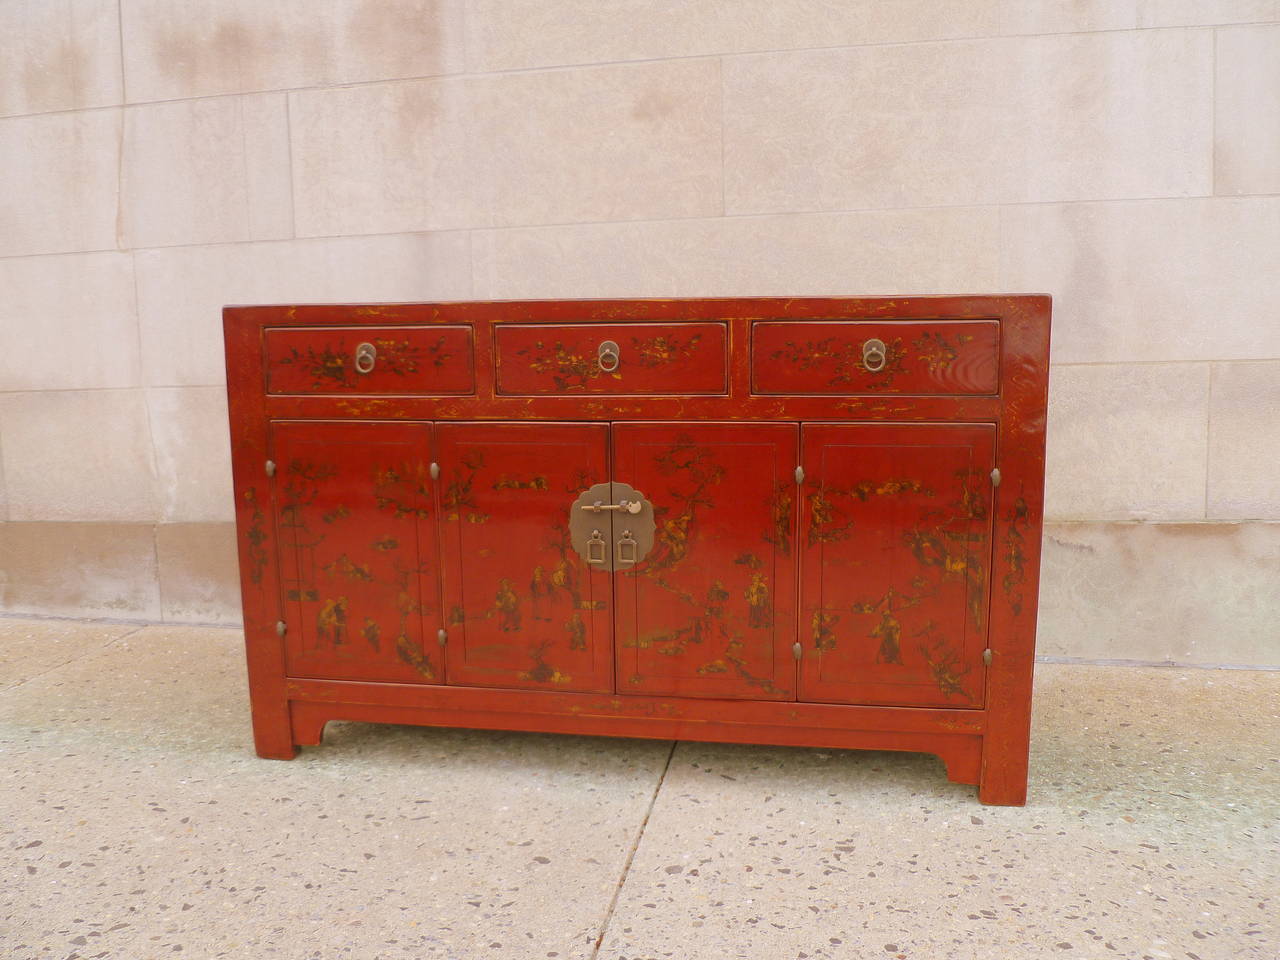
(895, 569)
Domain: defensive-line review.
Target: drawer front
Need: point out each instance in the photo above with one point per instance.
(373, 360)
(854, 357)
(651, 358)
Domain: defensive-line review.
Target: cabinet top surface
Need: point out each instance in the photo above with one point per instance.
(1034, 306)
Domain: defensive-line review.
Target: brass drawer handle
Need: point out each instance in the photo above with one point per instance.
(366, 357)
(608, 356)
(874, 354)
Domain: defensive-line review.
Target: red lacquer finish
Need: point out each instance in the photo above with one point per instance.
(356, 547)
(521, 608)
(834, 562)
(838, 357)
(710, 611)
(669, 358)
(896, 547)
(405, 360)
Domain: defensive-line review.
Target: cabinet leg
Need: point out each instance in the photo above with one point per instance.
(273, 734)
(1003, 782)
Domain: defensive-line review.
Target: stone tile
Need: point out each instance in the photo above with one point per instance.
(1158, 280)
(1148, 799)
(193, 453)
(509, 150)
(1127, 442)
(239, 46)
(59, 56)
(1174, 13)
(78, 455)
(29, 648)
(537, 140)
(1244, 441)
(135, 769)
(382, 159)
(68, 322)
(1054, 16)
(1247, 110)
(181, 291)
(1187, 593)
(79, 569)
(206, 171)
(886, 252)
(1087, 116)
(199, 576)
(515, 34)
(60, 191)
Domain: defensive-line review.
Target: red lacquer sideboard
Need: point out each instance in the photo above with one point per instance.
(808, 521)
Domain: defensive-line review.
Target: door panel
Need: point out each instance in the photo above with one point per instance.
(357, 550)
(522, 608)
(895, 540)
(711, 610)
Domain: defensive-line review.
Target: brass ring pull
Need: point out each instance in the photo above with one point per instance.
(608, 356)
(366, 357)
(874, 354)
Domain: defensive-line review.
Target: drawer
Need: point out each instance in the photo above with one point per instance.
(652, 358)
(373, 360)
(945, 357)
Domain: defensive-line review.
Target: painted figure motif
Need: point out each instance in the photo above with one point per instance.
(352, 568)
(702, 603)
(908, 620)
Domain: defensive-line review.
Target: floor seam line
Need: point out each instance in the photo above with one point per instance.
(631, 854)
(66, 663)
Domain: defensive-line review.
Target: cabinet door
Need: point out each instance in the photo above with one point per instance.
(895, 531)
(357, 550)
(522, 608)
(710, 611)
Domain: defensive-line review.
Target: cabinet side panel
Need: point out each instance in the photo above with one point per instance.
(1015, 576)
(255, 535)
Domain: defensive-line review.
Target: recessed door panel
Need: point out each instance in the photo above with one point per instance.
(895, 551)
(356, 528)
(710, 610)
(522, 608)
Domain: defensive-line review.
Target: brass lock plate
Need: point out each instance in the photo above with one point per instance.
(611, 525)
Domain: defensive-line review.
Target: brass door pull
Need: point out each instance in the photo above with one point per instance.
(630, 506)
(628, 548)
(596, 548)
(592, 526)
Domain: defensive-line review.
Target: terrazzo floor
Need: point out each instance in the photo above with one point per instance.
(136, 823)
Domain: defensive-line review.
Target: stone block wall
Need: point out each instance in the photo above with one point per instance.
(161, 159)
